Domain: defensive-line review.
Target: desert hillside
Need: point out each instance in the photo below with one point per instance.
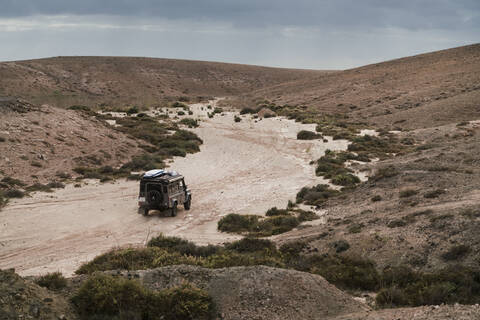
(444, 85)
(65, 81)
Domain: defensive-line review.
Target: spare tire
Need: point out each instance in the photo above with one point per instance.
(154, 197)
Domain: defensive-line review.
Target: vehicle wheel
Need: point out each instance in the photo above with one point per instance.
(145, 212)
(173, 211)
(187, 204)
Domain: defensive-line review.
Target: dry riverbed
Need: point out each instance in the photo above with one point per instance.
(243, 167)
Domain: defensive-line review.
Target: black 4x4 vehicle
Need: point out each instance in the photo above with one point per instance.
(162, 190)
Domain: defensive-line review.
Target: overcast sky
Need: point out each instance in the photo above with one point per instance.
(315, 34)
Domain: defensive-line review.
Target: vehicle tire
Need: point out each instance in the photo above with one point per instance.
(154, 197)
(187, 204)
(173, 210)
(145, 212)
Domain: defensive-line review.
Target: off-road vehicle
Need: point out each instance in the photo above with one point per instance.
(163, 190)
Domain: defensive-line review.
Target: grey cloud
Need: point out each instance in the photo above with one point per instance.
(417, 14)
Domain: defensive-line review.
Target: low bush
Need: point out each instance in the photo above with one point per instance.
(397, 223)
(308, 135)
(237, 223)
(356, 228)
(250, 244)
(340, 246)
(345, 179)
(106, 297)
(306, 215)
(257, 226)
(13, 193)
(408, 193)
(191, 123)
(248, 111)
(385, 173)
(405, 287)
(381, 147)
(52, 281)
(332, 166)
(342, 271)
(434, 194)
(184, 247)
(12, 182)
(276, 212)
(132, 110)
(456, 252)
(237, 119)
(376, 198)
(316, 195)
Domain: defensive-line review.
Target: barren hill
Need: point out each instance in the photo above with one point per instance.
(64, 81)
(398, 93)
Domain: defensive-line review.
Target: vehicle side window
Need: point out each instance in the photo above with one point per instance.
(165, 189)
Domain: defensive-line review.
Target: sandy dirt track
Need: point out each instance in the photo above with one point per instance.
(244, 167)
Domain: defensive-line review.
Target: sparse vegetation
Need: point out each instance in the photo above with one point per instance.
(256, 225)
(237, 118)
(308, 135)
(52, 281)
(434, 194)
(456, 252)
(316, 195)
(191, 123)
(398, 286)
(104, 296)
(376, 198)
(405, 287)
(407, 193)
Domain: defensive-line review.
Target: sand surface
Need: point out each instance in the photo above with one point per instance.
(244, 167)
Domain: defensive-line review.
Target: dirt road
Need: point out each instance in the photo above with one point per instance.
(244, 167)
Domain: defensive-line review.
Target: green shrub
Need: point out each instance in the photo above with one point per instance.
(248, 110)
(384, 173)
(376, 198)
(257, 226)
(181, 246)
(407, 193)
(104, 296)
(12, 182)
(405, 287)
(434, 194)
(345, 180)
(275, 225)
(52, 281)
(355, 228)
(191, 123)
(397, 223)
(456, 252)
(132, 110)
(276, 212)
(307, 215)
(181, 113)
(237, 223)
(79, 108)
(316, 195)
(308, 135)
(344, 272)
(13, 193)
(249, 244)
(237, 119)
(217, 110)
(340, 246)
